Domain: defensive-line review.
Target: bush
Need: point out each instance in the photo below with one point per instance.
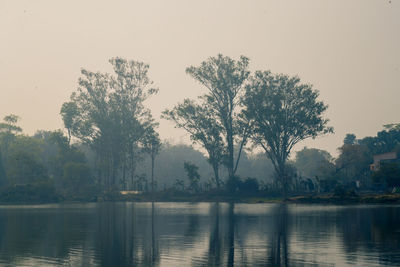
(27, 193)
(22, 168)
(233, 184)
(193, 176)
(389, 174)
(327, 185)
(341, 191)
(77, 181)
(249, 186)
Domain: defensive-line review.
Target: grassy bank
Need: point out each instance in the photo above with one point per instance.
(30, 195)
(306, 199)
(360, 199)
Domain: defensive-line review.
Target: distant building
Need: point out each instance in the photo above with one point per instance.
(390, 157)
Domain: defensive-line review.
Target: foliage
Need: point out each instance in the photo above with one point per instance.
(233, 184)
(152, 145)
(327, 185)
(8, 131)
(249, 186)
(69, 113)
(107, 112)
(224, 79)
(282, 112)
(350, 139)
(27, 193)
(151, 142)
(385, 141)
(77, 178)
(314, 163)
(179, 185)
(200, 123)
(353, 162)
(9, 124)
(56, 153)
(22, 168)
(341, 191)
(3, 176)
(388, 173)
(193, 176)
(256, 166)
(357, 154)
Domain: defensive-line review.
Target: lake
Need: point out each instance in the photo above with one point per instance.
(199, 234)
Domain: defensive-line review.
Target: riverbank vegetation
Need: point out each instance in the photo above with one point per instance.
(243, 129)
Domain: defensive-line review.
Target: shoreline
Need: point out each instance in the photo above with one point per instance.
(302, 199)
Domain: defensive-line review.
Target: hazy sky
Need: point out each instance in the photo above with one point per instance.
(348, 49)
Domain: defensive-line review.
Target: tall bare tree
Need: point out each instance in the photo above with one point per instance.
(152, 145)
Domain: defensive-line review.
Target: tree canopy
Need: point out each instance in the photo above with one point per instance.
(107, 112)
(199, 122)
(282, 112)
(215, 122)
(313, 162)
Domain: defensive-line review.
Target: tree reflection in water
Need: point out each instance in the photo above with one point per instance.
(124, 239)
(221, 250)
(214, 247)
(199, 234)
(279, 237)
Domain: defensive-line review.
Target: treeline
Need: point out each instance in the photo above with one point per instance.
(45, 167)
(239, 110)
(106, 118)
(111, 142)
(318, 171)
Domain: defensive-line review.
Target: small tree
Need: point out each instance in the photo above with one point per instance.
(193, 176)
(179, 184)
(69, 113)
(10, 124)
(152, 145)
(8, 131)
(199, 122)
(282, 112)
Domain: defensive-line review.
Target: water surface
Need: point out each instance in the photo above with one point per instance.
(199, 234)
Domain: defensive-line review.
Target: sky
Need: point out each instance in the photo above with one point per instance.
(349, 50)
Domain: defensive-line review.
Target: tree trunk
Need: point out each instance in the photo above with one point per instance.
(152, 172)
(216, 174)
(124, 175)
(283, 177)
(230, 153)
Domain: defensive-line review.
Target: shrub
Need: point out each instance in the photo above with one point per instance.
(249, 186)
(26, 193)
(388, 173)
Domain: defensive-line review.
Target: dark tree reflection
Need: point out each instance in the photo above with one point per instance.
(184, 234)
(231, 235)
(279, 248)
(214, 247)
